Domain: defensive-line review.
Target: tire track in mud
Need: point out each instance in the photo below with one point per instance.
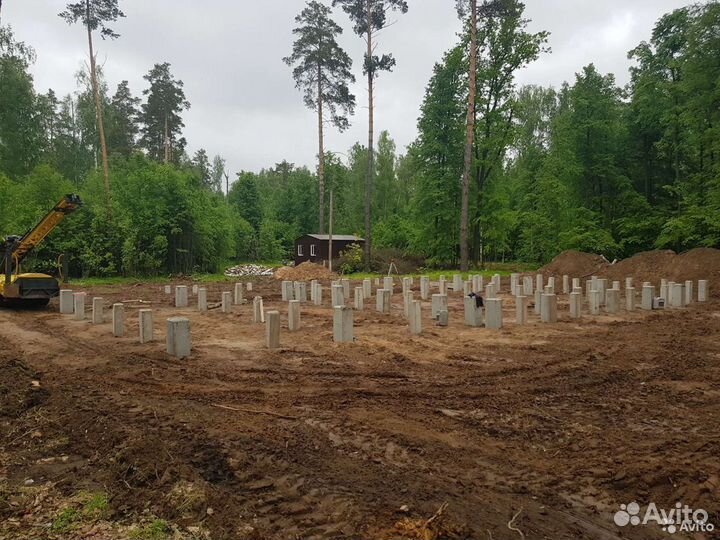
(313, 512)
(546, 426)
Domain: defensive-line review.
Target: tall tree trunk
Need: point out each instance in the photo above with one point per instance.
(98, 107)
(371, 149)
(469, 139)
(330, 236)
(321, 153)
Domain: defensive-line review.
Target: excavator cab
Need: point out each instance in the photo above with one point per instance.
(31, 289)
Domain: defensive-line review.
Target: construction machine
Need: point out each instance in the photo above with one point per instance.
(31, 290)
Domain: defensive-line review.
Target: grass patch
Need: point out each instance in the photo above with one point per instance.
(65, 520)
(96, 506)
(155, 530)
(217, 278)
(491, 269)
(117, 280)
(86, 508)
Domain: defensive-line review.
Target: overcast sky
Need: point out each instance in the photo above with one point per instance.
(244, 103)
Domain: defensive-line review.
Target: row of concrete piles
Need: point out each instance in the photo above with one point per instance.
(489, 315)
(341, 292)
(178, 338)
(599, 294)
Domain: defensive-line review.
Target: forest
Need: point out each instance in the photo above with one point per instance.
(498, 172)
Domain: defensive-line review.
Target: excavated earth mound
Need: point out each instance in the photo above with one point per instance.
(652, 266)
(304, 272)
(576, 264)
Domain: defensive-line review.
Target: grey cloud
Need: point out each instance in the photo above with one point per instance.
(244, 103)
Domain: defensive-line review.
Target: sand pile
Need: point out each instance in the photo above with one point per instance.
(576, 264)
(305, 272)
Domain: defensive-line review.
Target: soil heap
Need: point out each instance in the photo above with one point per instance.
(576, 264)
(304, 272)
(652, 266)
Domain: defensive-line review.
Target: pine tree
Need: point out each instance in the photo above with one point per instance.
(123, 125)
(94, 15)
(161, 133)
(322, 72)
(368, 18)
(201, 165)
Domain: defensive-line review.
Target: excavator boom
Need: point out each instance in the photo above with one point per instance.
(31, 289)
(67, 205)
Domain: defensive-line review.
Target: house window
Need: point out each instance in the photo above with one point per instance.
(312, 250)
(300, 250)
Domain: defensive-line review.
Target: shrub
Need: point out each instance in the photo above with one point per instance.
(351, 260)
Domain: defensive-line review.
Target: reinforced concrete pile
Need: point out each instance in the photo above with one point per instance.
(249, 270)
(306, 271)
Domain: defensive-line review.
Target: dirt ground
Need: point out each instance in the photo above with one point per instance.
(537, 432)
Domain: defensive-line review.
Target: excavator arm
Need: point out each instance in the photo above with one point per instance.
(32, 289)
(67, 205)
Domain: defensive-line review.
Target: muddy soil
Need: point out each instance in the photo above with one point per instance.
(542, 429)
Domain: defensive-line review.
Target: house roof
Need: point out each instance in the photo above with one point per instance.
(338, 237)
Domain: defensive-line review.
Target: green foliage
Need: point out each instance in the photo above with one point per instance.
(272, 241)
(587, 166)
(322, 69)
(437, 158)
(369, 17)
(122, 121)
(94, 15)
(588, 236)
(20, 122)
(351, 259)
(394, 232)
(161, 112)
(245, 198)
(163, 220)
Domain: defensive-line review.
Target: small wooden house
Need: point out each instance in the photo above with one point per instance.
(316, 247)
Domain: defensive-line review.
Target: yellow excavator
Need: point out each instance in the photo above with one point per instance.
(31, 290)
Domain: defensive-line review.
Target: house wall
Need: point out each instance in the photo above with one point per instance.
(321, 249)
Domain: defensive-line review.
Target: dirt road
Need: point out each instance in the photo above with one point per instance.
(555, 426)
